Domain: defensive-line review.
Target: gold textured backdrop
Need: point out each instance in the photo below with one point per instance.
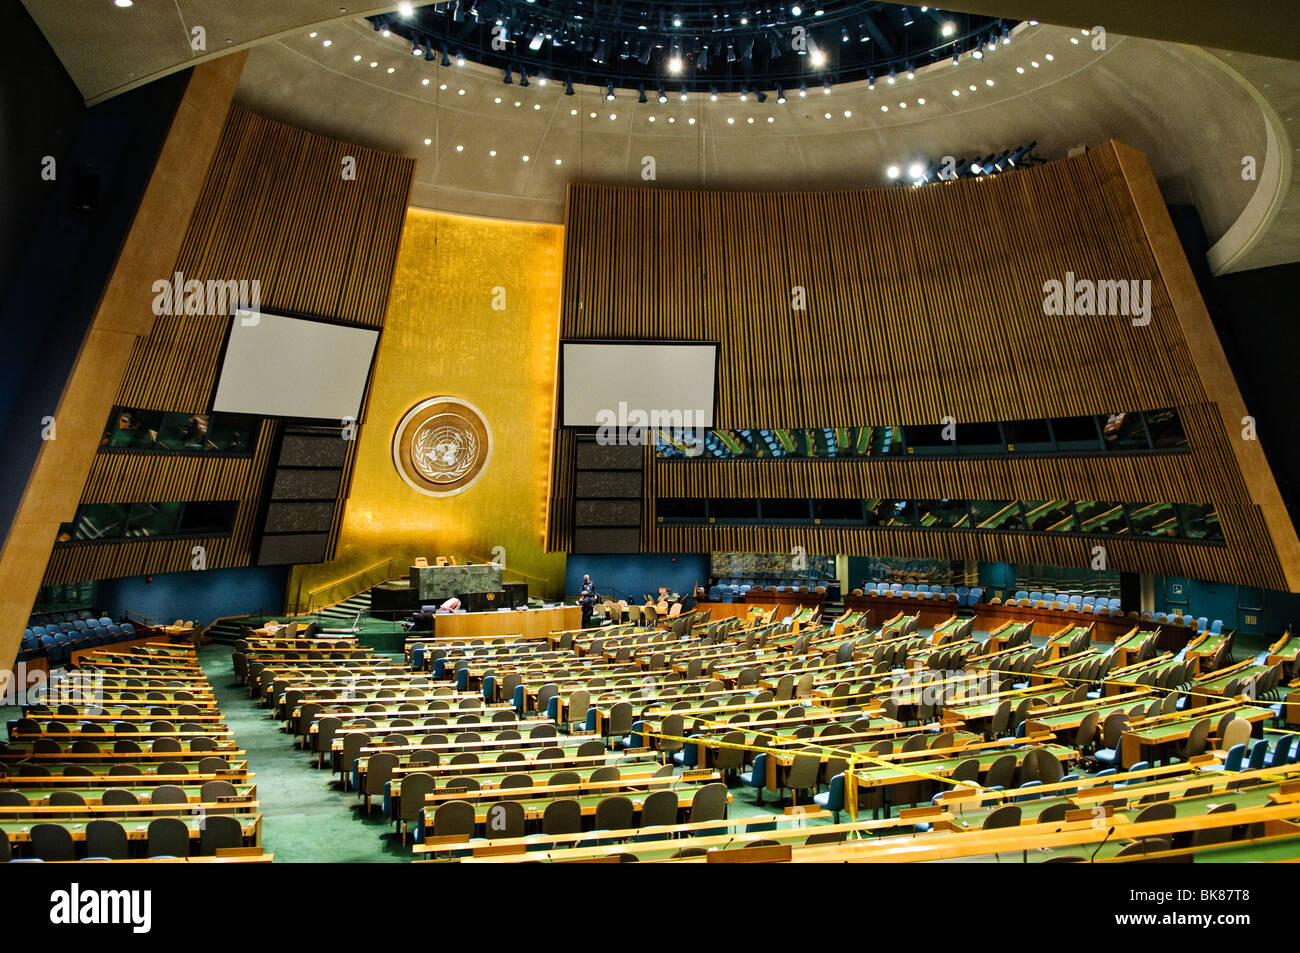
(442, 337)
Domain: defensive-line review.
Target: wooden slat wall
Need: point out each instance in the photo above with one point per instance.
(921, 303)
(274, 208)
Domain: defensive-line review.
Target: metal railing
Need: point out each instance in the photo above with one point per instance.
(340, 590)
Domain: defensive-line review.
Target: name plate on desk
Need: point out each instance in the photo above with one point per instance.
(418, 764)
(702, 774)
(234, 798)
(638, 751)
(228, 771)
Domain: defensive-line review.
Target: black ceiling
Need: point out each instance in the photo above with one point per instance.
(690, 45)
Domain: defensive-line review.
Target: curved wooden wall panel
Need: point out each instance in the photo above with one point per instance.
(920, 304)
(276, 208)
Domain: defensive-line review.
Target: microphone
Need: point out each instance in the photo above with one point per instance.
(1101, 845)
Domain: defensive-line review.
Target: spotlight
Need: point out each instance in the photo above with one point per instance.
(599, 55)
(871, 81)
(458, 11)
(911, 73)
(949, 28)
(713, 94)
(731, 52)
(826, 88)
(445, 60)
(915, 170)
(675, 64)
(803, 89)
(460, 59)
(536, 42)
(780, 94)
(892, 77)
(609, 91)
(405, 9)
(663, 97)
(523, 76)
(760, 95)
(703, 61)
(568, 86)
(818, 57)
(677, 20)
(640, 93)
(774, 45)
(683, 94)
(956, 58)
(907, 17)
(796, 10)
(507, 79)
(892, 172)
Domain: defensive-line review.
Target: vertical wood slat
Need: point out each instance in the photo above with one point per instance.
(922, 303)
(274, 208)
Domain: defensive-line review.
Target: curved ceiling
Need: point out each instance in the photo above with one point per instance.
(470, 131)
(1196, 114)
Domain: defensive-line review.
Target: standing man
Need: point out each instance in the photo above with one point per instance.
(587, 599)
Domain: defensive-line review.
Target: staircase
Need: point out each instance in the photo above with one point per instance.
(343, 613)
(224, 632)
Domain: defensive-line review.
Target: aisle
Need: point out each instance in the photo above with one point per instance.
(304, 818)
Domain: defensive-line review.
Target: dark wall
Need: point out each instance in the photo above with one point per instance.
(631, 577)
(1254, 315)
(200, 596)
(56, 255)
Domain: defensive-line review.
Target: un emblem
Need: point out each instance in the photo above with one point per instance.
(442, 446)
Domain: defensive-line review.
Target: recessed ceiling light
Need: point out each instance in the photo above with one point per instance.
(731, 121)
(1034, 63)
(392, 69)
(593, 115)
(691, 120)
(921, 101)
(828, 115)
(956, 92)
(902, 105)
(537, 106)
(573, 112)
(1049, 57)
(973, 87)
(652, 118)
(892, 172)
(356, 58)
(460, 148)
(613, 115)
(460, 92)
(425, 81)
(428, 142)
(525, 158)
(493, 153)
(1074, 40)
(1020, 69)
(122, 3)
(884, 109)
(558, 161)
(327, 43)
(848, 114)
(444, 86)
(405, 9)
(988, 82)
(373, 64)
(310, 36)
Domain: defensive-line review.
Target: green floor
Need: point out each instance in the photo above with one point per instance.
(305, 817)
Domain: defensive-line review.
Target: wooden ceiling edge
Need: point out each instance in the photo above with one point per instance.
(1209, 359)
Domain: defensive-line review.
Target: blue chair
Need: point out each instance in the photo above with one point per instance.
(1021, 594)
(1257, 755)
(1036, 596)
(1136, 766)
(1106, 772)
(832, 799)
(756, 776)
(1216, 627)
(688, 757)
(1236, 754)
(105, 620)
(1033, 795)
(1279, 755)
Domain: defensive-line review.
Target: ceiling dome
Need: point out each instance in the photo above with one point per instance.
(675, 46)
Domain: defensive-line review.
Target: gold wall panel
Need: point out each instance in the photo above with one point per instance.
(920, 304)
(442, 337)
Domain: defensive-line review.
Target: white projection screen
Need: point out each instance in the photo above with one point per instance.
(646, 376)
(277, 366)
